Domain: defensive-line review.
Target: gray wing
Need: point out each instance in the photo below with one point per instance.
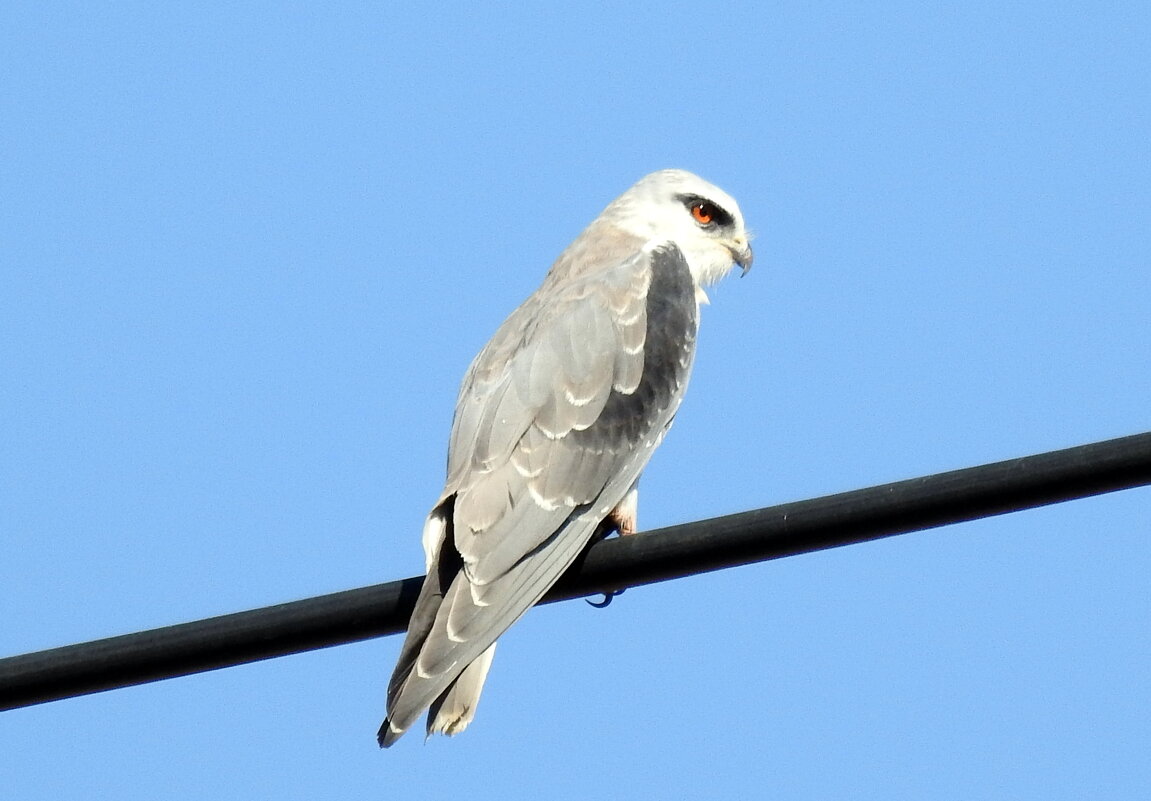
(556, 418)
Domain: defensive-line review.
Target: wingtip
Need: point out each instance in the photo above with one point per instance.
(387, 735)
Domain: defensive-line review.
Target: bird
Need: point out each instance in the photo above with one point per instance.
(556, 418)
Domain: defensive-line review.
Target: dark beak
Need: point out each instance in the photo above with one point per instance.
(743, 258)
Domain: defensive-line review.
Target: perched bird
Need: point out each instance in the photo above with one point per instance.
(555, 420)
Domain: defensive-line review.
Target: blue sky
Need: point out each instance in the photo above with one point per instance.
(247, 251)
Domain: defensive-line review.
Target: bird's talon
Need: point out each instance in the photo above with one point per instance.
(607, 599)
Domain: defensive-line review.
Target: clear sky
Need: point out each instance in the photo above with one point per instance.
(247, 251)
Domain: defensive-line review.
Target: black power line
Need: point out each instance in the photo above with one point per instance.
(674, 552)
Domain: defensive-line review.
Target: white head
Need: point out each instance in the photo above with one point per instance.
(700, 218)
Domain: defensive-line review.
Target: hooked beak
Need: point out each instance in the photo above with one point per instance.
(743, 258)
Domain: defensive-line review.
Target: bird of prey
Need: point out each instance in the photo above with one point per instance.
(555, 420)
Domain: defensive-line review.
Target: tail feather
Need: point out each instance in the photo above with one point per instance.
(444, 673)
(456, 706)
(453, 711)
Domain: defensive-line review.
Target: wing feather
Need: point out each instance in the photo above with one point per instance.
(556, 419)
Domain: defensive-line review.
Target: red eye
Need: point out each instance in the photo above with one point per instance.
(704, 213)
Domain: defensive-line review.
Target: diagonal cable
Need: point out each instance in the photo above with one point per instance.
(659, 555)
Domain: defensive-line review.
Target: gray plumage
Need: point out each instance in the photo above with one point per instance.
(556, 418)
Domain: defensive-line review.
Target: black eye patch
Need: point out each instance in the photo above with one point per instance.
(706, 211)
